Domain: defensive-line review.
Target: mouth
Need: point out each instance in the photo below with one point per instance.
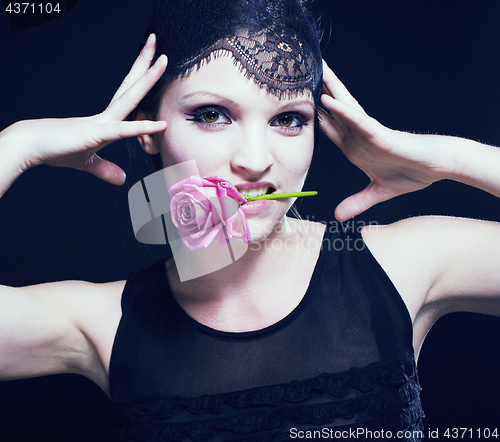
(245, 193)
(255, 189)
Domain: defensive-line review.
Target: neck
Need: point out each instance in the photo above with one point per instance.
(279, 265)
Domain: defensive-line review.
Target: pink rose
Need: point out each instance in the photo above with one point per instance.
(204, 209)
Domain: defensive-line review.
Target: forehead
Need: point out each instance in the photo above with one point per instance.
(222, 77)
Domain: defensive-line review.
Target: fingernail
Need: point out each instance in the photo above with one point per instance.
(162, 59)
(149, 41)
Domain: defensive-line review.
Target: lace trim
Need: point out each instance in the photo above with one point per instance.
(278, 406)
(275, 421)
(274, 62)
(413, 430)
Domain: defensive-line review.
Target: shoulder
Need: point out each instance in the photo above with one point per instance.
(96, 312)
(440, 265)
(431, 243)
(403, 249)
(59, 327)
(414, 252)
(83, 303)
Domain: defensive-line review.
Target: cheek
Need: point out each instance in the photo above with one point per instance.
(306, 159)
(181, 143)
(171, 148)
(178, 145)
(296, 156)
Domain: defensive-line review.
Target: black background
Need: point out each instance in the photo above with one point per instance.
(428, 66)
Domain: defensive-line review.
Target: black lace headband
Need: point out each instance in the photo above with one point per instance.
(275, 43)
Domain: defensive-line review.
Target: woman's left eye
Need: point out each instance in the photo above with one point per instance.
(210, 116)
(290, 120)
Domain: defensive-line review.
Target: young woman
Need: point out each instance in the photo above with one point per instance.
(250, 136)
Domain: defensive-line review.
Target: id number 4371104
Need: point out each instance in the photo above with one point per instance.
(34, 8)
(469, 433)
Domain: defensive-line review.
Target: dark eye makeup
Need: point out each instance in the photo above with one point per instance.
(213, 116)
(209, 116)
(290, 120)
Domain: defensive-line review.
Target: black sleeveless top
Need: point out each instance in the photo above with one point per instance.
(341, 363)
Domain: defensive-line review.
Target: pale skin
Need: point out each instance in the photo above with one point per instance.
(438, 264)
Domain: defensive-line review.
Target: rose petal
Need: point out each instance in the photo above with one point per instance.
(205, 209)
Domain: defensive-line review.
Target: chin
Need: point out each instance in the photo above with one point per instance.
(262, 229)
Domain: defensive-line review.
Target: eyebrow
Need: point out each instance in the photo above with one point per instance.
(297, 103)
(211, 95)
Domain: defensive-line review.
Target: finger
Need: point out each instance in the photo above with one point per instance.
(126, 129)
(120, 108)
(355, 204)
(324, 90)
(340, 121)
(344, 113)
(331, 128)
(140, 67)
(336, 88)
(361, 201)
(105, 170)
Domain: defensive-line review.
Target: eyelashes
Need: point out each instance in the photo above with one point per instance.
(214, 117)
(209, 116)
(290, 120)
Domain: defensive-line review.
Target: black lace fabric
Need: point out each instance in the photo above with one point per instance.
(274, 42)
(273, 61)
(341, 360)
(383, 398)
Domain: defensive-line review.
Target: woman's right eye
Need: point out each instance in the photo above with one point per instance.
(209, 116)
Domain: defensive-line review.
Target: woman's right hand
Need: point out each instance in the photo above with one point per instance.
(74, 142)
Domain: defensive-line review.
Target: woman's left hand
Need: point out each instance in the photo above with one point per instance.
(396, 162)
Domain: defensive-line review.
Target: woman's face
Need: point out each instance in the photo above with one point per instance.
(234, 129)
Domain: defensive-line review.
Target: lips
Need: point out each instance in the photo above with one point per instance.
(245, 193)
(256, 207)
(255, 189)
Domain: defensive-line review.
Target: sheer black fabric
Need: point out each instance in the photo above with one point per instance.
(341, 361)
(274, 42)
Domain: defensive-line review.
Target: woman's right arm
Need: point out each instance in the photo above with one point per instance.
(74, 142)
(60, 327)
(69, 326)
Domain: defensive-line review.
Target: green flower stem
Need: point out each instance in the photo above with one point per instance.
(275, 196)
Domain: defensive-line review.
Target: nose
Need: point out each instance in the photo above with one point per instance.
(252, 154)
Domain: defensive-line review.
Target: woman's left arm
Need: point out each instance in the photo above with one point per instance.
(399, 162)
(447, 264)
